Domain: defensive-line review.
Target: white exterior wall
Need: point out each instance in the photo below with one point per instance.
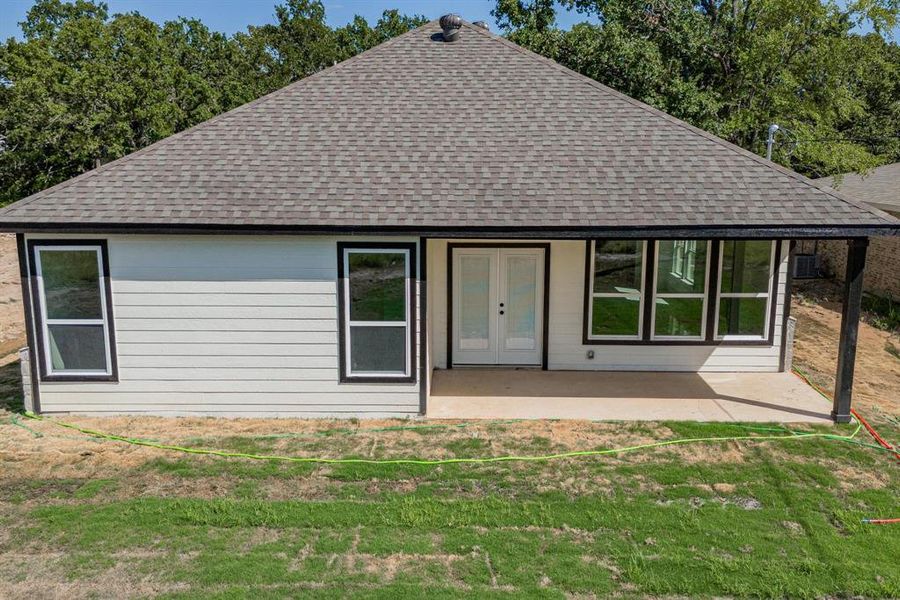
(566, 350)
(228, 326)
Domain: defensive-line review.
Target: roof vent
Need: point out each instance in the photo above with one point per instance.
(482, 24)
(451, 24)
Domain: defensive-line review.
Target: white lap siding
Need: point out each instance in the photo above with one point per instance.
(567, 351)
(228, 326)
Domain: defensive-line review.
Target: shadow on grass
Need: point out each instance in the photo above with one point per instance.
(11, 388)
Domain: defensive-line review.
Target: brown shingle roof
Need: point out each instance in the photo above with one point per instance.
(425, 135)
(879, 188)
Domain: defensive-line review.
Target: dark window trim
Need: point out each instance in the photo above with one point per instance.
(344, 377)
(45, 376)
(424, 375)
(649, 293)
(647, 285)
(30, 333)
(712, 300)
(545, 326)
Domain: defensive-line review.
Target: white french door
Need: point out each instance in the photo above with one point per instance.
(498, 306)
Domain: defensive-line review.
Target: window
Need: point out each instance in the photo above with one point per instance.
(746, 276)
(377, 307)
(698, 291)
(679, 299)
(71, 286)
(616, 281)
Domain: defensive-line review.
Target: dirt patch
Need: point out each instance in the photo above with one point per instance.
(876, 383)
(12, 322)
(37, 577)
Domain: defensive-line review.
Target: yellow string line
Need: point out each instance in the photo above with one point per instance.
(446, 461)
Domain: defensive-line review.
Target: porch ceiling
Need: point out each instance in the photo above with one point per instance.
(479, 393)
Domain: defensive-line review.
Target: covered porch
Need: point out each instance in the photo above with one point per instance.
(498, 393)
(570, 355)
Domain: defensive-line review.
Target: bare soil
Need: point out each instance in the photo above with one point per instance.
(876, 384)
(12, 323)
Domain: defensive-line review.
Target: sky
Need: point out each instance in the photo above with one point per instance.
(230, 16)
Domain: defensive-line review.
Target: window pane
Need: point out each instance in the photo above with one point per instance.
(742, 316)
(377, 286)
(615, 316)
(71, 284)
(745, 266)
(378, 349)
(679, 317)
(77, 348)
(617, 266)
(682, 267)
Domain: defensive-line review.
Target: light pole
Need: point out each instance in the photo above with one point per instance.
(770, 141)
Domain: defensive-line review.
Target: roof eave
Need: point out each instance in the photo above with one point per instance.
(811, 231)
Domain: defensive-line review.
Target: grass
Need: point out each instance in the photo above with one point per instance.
(883, 312)
(720, 520)
(892, 350)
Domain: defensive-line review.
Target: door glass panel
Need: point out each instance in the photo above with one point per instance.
(474, 302)
(521, 303)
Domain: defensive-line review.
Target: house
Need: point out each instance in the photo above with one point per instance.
(445, 200)
(879, 189)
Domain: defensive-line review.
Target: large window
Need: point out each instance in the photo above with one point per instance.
(377, 311)
(616, 282)
(745, 290)
(696, 291)
(679, 300)
(71, 286)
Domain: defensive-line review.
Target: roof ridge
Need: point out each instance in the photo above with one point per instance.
(215, 119)
(674, 120)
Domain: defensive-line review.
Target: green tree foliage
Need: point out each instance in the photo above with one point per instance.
(733, 67)
(84, 87)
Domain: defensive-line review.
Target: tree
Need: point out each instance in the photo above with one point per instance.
(734, 67)
(83, 87)
(358, 36)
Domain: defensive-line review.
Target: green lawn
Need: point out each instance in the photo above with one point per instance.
(728, 519)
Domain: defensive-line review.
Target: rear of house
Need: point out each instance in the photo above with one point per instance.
(336, 247)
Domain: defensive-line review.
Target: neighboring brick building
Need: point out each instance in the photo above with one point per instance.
(879, 189)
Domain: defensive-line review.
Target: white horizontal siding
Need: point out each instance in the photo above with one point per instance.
(235, 323)
(566, 350)
(228, 288)
(229, 326)
(176, 361)
(165, 350)
(211, 299)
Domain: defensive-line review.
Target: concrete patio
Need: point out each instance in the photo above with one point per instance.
(490, 393)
